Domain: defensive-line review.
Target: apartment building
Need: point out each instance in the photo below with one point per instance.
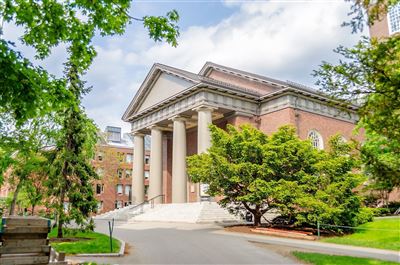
(113, 162)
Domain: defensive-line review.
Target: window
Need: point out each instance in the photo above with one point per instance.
(100, 156)
(66, 206)
(119, 173)
(147, 160)
(100, 171)
(316, 139)
(118, 204)
(127, 190)
(128, 158)
(119, 188)
(146, 190)
(394, 19)
(100, 206)
(146, 174)
(99, 188)
(128, 173)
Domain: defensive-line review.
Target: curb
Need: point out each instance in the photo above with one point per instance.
(119, 254)
(331, 248)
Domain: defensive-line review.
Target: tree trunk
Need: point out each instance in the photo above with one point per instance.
(61, 215)
(33, 209)
(257, 219)
(15, 196)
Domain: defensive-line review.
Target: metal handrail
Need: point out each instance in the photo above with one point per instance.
(151, 200)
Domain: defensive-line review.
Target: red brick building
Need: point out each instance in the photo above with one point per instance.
(175, 107)
(388, 24)
(113, 163)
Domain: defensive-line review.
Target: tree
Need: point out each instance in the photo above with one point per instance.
(74, 23)
(368, 73)
(260, 173)
(27, 91)
(23, 149)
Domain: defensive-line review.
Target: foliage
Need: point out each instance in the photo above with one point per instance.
(369, 74)
(23, 149)
(48, 24)
(325, 259)
(261, 173)
(71, 173)
(90, 242)
(26, 91)
(381, 233)
(376, 10)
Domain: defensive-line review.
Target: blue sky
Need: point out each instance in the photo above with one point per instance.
(284, 39)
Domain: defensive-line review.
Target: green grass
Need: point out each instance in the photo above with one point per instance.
(91, 242)
(387, 238)
(323, 259)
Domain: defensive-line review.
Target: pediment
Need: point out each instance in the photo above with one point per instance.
(249, 81)
(164, 87)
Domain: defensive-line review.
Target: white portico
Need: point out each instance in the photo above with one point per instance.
(176, 107)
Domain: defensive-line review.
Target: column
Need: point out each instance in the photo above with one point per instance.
(138, 169)
(204, 119)
(179, 176)
(155, 182)
(204, 115)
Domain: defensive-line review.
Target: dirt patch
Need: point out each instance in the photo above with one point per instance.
(68, 239)
(128, 249)
(279, 232)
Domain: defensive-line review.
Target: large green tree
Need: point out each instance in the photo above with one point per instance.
(48, 24)
(26, 90)
(259, 173)
(369, 75)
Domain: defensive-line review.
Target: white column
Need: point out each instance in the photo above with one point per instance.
(138, 169)
(204, 115)
(179, 176)
(204, 119)
(155, 182)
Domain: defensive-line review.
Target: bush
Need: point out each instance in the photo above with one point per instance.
(365, 215)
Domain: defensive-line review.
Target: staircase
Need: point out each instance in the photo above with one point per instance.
(197, 212)
(124, 213)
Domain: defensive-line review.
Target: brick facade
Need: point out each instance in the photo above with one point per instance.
(115, 168)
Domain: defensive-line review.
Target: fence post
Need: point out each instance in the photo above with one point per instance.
(318, 232)
(111, 229)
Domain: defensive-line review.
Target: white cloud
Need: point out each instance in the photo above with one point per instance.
(280, 39)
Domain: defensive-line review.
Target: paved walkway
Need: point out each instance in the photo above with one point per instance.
(179, 243)
(172, 243)
(318, 246)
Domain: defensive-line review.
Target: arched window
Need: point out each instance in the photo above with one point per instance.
(316, 139)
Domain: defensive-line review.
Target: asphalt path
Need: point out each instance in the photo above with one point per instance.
(172, 243)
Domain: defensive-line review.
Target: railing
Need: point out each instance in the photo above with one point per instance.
(151, 201)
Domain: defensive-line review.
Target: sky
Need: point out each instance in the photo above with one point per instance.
(285, 40)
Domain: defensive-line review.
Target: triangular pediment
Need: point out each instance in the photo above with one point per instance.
(249, 81)
(164, 87)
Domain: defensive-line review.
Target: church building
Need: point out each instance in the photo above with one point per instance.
(175, 107)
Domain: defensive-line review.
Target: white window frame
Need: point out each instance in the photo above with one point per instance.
(395, 12)
(127, 189)
(122, 189)
(314, 135)
(129, 158)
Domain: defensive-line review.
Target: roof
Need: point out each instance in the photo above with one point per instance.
(202, 79)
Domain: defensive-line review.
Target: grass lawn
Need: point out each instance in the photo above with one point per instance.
(383, 239)
(90, 242)
(323, 259)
